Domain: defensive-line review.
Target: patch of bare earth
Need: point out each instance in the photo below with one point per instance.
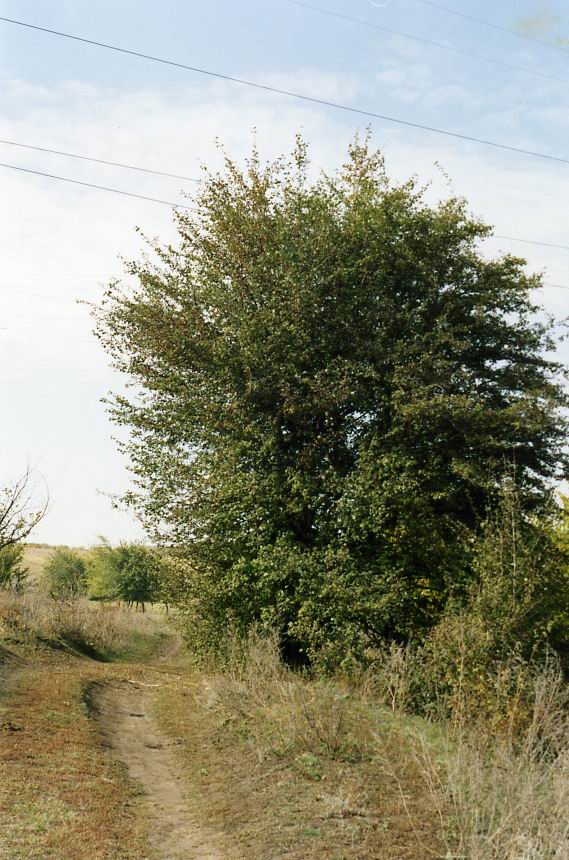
(122, 711)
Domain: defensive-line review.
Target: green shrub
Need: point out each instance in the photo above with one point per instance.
(479, 663)
(65, 574)
(129, 572)
(13, 572)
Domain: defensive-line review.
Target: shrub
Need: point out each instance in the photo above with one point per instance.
(65, 574)
(481, 657)
(13, 573)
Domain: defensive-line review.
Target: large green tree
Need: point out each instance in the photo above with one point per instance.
(331, 380)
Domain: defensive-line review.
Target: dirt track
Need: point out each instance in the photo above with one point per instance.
(121, 710)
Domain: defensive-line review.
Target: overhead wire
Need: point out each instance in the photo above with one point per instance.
(98, 160)
(530, 242)
(248, 83)
(493, 25)
(423, 41)
(99, 187)
(292, 94)
(195, 209)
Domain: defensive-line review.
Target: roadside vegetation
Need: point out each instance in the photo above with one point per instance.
(346, 443)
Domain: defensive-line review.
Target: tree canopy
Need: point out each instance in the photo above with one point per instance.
(65, 573)
(331, 383)
(128, 572)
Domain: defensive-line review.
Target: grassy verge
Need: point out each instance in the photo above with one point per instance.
(61, 795)
(280, 764)
(300, 769)
(100, 631)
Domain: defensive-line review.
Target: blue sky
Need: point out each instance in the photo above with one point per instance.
(61, 243)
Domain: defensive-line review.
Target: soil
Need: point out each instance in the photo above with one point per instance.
(122, 711)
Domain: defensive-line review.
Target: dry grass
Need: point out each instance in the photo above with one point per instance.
(289, 767)
(61, 795)
(508, 791)
(280, 764)
(102, 631)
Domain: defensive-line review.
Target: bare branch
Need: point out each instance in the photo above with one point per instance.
(18, 513)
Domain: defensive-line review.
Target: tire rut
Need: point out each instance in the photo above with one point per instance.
(122, 712)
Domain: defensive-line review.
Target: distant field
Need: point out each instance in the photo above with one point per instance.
(36, 555)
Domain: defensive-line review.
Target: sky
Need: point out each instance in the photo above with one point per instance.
(61, 243)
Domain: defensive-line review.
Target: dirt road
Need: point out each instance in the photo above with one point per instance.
(122, 712)
(85, 771)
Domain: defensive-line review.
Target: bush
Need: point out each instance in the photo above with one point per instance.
(479, 664)
(482, 655)
(129, 572)
(13, 573)
(65, 574)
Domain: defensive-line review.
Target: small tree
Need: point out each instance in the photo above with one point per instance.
(66, 575)
(13, 573)
(102, 572)
(129, 572)
(138, 573)
(18, 514)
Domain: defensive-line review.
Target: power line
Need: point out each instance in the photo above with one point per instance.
(292, 94)
(423, 41)
(195, 209)
(492, 25)
(97, 160)
(41, 382)
(530, 242)
(99, 187)
(57, 334)
(55, 274)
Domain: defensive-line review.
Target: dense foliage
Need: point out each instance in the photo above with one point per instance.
(65, 573)
(13, 571)
(129, 572)
(332, 384)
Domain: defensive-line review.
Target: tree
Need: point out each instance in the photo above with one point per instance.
(129, 572)
(13, 572)
(65, 574)
(18, 514)
(137, 574)
(333, 381)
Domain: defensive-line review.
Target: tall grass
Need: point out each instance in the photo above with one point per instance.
(34, 618)
(500, 782)
(508, 791)
(290, 713)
